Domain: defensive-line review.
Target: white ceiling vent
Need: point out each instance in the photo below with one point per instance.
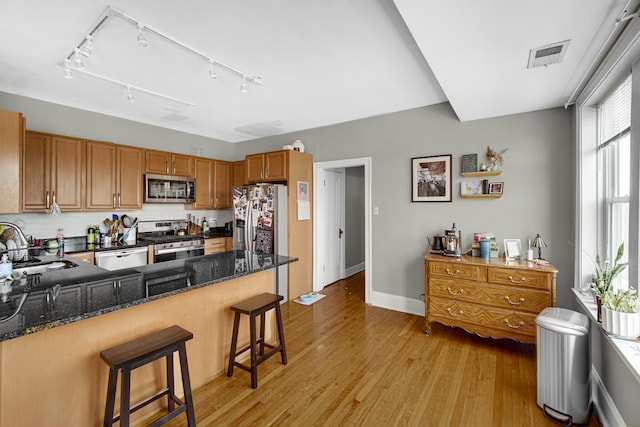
(549, 54)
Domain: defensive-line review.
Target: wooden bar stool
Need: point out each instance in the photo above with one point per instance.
(254, 307)
(146, 349)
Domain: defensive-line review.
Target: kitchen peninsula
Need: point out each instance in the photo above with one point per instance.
(50, 369)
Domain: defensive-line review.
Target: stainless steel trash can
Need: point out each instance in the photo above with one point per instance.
(563, 363)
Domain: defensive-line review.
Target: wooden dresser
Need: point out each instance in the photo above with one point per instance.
(488, 297)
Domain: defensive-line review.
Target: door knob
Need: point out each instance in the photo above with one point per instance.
(340, 233)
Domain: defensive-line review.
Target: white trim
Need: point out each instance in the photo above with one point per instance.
(398, 303)
(607, 411)
(354, 269)
(346, 163)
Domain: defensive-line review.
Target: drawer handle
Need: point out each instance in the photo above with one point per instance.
(520, 301)
(518, 326)
(454, 293)
(455, 273)
(452, 314)
(522, 279)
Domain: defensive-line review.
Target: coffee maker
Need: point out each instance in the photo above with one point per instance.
(452, 242)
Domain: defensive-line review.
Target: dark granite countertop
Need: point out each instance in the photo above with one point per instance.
(67, 295)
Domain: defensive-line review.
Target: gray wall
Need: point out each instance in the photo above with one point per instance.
(354, 216)
(537, 174)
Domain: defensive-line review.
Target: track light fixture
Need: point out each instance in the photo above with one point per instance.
(130, 96)
(87, 46)
(142, 41)
(73, 60)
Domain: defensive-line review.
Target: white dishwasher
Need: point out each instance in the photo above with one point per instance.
(117, 259)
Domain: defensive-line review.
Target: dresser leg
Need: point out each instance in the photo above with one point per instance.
(427, 331)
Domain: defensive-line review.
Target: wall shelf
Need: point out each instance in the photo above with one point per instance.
(481, 173)
(481, 196)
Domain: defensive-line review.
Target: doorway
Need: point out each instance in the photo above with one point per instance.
(322, 213)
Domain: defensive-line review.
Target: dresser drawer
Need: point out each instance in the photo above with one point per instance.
(508, 297)
(519, 277)
(455, 270)
(483, 320)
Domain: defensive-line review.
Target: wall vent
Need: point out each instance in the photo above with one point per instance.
(549, 54)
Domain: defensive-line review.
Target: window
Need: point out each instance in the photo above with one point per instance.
(614, 154)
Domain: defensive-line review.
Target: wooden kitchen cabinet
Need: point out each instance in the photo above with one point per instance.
(11, 165)
(166, 163)
(239, 174)
(114, 176)
(268, 167)
(488, 297)
(204, 183)
(54, 172)
(215, 245)
(84, 256)
(222, 192)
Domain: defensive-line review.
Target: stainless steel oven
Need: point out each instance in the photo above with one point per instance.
(166, 281)
(181, 249)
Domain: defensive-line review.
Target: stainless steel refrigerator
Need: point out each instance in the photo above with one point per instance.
(260, 225)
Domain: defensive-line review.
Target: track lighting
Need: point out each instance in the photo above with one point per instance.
(142, 42)
(212, 71)
(130, 96)
(243, 86)
(87, 46)
(77, 60)
(67, 70)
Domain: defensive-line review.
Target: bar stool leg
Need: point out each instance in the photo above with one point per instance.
(262, 316)
(170, 383)
(234, 343)
(186, 385)
(125, 397)
(111, 397)
(283, 351)
(254, 356)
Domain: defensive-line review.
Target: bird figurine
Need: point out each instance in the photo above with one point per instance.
(494, 157)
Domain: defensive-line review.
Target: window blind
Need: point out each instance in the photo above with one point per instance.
(615, 114)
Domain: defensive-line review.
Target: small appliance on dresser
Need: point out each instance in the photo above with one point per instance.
(260, 224)
(170, 239)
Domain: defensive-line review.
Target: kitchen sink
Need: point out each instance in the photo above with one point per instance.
(44, 267)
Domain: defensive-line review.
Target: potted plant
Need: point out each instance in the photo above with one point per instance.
(605, 273)
(621, 313)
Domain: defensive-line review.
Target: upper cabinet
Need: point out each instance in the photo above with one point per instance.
(53, 172)
(270, 167)
(165, 163)
(11, 139)
(114, 176)
(222, 185)
(239, 173)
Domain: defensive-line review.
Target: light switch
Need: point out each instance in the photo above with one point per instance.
(375, 210)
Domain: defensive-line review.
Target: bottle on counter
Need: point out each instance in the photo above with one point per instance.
(96, 234)
(205, 226)
(60, 242)
(91, 237)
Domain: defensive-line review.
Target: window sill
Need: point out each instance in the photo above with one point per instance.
(628, 349)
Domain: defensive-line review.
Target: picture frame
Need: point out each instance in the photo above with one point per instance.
(471, 187)
(469, 163)
(496, 187)
(431, 178)
(512, 249)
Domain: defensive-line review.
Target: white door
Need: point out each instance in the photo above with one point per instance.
(331, 226)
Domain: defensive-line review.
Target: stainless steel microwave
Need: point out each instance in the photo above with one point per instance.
(169, 189)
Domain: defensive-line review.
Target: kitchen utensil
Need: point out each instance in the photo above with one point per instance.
(126, 221)
(437, 245)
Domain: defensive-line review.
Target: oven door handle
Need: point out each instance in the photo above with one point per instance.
(174, 250)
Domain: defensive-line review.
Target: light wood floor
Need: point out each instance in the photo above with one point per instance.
(355, 365)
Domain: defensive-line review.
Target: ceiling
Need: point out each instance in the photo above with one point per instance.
(321, 63)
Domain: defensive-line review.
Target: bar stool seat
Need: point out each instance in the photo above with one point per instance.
(254, 307)
(133, 354)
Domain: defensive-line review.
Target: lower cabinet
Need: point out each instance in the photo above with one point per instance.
(488, 297)
(105, 293)
(214, 245)
(57, 302)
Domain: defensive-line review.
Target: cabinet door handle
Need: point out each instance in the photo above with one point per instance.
(518, 326)
(174, 166)
(166, 166)
(268, 171)
(46, 200)
(522, 279)
(119, 201)
(454, 293)
(453, 314)
(114, 200)
(453, 273)
(53, 196)
(520, 300)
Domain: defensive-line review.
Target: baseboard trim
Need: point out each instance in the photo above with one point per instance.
(603, 403)
(397, 303)
(354, 269)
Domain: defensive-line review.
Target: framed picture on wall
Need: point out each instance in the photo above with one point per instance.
(431, 178)
(495, 187)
